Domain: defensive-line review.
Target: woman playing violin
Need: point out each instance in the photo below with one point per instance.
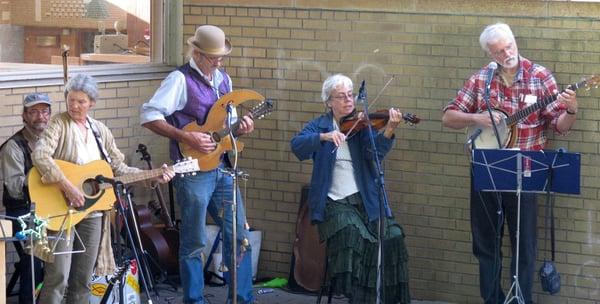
(344, 199)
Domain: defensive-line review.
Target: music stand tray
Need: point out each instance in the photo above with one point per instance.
(496, 170)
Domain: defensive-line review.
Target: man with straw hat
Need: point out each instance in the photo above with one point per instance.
(187, 95)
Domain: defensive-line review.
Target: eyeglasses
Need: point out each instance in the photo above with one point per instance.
(213, 59)
(36, 112)
(507, 49)
(342, 96)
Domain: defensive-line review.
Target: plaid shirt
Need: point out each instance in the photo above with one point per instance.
(531, 79)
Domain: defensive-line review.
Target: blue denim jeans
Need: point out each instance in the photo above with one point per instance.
(487, 228)
(197, 195)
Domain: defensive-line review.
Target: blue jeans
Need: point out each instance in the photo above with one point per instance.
(487, 228)
(196, 195)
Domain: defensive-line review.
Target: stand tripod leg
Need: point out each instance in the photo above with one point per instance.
(518, 295)
(136, 244)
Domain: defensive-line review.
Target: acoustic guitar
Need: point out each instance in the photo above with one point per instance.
(215, 127)
(508, 124)
(50, 202)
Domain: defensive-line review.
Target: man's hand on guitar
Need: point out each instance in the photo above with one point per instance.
(483, 119)
(200, 141)
(246, 125)
(73, 196)
(168, 174)
(569, 98)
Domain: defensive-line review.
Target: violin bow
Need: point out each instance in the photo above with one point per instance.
(381, 91)
(374, 102)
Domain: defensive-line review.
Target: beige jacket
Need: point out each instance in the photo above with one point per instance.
(56, 143)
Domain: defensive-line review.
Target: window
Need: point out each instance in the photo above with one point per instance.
(33, 33)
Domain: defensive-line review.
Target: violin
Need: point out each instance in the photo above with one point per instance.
(355, 121)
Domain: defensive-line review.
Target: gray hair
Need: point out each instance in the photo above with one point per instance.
(493, 33)
(333, 82)
(84, 83)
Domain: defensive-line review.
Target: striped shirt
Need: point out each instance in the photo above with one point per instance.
(532, 83)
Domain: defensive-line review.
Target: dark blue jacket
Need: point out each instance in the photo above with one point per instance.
(307, 144)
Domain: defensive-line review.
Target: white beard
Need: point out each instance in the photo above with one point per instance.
(511, 62)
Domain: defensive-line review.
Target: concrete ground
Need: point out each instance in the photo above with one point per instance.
(217, 295)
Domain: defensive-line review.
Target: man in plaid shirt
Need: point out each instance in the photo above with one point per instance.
(516, 84)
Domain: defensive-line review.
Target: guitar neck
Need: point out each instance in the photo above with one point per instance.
(236, 125)
(523, 113)
(140, 176)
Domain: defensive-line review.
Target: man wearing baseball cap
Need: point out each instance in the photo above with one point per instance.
(185, 96)
(15, 160)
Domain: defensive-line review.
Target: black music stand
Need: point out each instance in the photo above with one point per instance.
(518, 171)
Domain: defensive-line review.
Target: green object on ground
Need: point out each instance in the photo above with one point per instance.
(274, 283)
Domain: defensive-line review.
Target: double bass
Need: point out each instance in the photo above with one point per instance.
(162, 240)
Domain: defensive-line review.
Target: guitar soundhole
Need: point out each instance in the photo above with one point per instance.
(90, 187)
(216, 137)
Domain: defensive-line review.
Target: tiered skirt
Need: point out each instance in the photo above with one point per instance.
(352, 252)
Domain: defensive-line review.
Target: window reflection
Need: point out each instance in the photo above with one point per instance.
(96, 32)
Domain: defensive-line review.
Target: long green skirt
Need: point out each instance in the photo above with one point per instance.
(352, 253)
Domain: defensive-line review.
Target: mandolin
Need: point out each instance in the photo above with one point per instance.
(220, 135)
(508, 124)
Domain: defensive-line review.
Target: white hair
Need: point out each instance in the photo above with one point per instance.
(333, 82)
(494, 33)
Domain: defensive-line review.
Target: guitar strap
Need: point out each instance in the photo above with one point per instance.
(103, 152)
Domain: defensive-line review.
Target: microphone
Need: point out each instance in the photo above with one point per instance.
(474, 136)
(491, 70)
(362, 95)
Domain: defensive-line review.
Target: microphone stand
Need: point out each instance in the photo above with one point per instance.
(486, 99)
(233, 267)
(121, 191)
(383, 201)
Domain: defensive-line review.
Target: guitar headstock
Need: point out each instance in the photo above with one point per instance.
(262, 109)
(411, 119)
(142, 149)
(592, 82)
(185, 166)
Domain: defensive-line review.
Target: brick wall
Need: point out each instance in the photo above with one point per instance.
(285, 49)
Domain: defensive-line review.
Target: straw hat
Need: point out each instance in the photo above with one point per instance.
(210, 40)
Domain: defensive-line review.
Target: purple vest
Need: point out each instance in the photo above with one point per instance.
(200, 98)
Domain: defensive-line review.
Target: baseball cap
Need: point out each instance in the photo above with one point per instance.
(36, 98)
